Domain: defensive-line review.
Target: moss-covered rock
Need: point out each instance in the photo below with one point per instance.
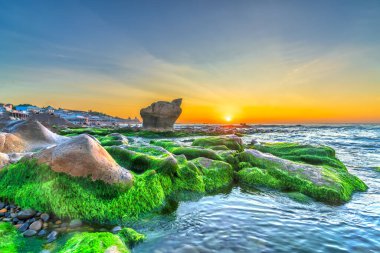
(141, 159)
(317, 155)
(113, 140)
(94, 243)
(216, 174)
(232, 142)
(189, 152)
(130, 237)
(324, 182)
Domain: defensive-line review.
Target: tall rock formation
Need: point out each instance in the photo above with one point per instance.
(161, 114)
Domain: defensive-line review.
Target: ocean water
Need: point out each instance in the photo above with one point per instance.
(242, 220)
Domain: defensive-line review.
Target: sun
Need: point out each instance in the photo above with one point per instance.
(228, 118)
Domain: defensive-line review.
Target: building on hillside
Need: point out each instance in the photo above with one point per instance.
(76, 119)
(28, 108)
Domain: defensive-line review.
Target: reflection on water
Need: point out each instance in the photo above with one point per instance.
(254, 221)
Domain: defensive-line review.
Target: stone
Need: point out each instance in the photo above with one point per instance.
(29, 233)
(26, 214)
(112, 249)
(81, 156)
(43, 232)
(24, 227)
(2, 205)
(37, 225)
(161, 114)
(116, 229)
(10, 143)
(75, 223)
(45, 217)
(4, 210)
(52, 236)
(4, 160)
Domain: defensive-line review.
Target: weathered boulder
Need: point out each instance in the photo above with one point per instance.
(4, 160)
(161, 114)
(82, 156)
(10, 143)
(34, 135)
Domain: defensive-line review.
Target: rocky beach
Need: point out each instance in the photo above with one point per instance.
(79, 189)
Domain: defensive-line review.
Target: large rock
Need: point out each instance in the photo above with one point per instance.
(10, 143)
(34, 135)
(161, 114)
(51, 121)
(82, 156)
(4, 160)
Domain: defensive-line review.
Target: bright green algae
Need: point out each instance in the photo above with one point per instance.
(231, 142)
(10, 239)
(93, 243)
(130, 237)
(337, 185)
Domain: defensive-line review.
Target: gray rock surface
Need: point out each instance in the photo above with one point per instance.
(161, 114)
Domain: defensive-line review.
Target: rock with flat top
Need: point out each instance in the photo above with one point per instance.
(161, 114)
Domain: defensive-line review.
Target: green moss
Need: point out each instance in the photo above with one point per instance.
(231, 142)
(258, 177)
(299, 197)
(10, 239)
(143, 159)
(190, 178)
(216, 174)
(337, 187)
(107, 141)
(93, 243)
(130, 237)
(189, 152)
(316, 155)
(377, 169)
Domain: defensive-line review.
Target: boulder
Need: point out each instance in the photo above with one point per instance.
(4, 160)
(35, 135)
(26, 214)
(161, 114)
(82, 156)
(10, 143)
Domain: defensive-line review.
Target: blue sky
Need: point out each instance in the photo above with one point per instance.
(226, 57)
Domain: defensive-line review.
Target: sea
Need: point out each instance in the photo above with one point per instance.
(246, 220)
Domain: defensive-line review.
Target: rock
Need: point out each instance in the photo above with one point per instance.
(75, 223)
(161, 114)
(4, 210)
(81, 156)
(52, 236)
(45, 217)
(4, 160)
(112, 249)
(37, 225)
(24, 227)
(254, 142)
(58, 222)
(34, 135)
(50, 120)
(43, 232)
(29, 233)
(2, 205)
(116, 229)
(10, 143)
(26, 214)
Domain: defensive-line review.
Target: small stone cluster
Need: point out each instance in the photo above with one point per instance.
(33, 223)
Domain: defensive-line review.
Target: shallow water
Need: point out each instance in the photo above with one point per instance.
(268, 221)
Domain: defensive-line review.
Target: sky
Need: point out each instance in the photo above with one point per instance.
(256, 61)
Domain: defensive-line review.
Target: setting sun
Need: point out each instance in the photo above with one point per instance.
(228, 118)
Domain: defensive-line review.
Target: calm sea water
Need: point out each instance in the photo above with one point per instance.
(252, 221)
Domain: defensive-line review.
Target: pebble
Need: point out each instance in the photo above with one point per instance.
(26, 214)
(37, 225)
(43, 232)
(116, 229)
(24, 227)
(58, 222)
(2, 205)
(4, 210)
(52, 236)
(29, 233)
(75, 223)
(45, 217)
